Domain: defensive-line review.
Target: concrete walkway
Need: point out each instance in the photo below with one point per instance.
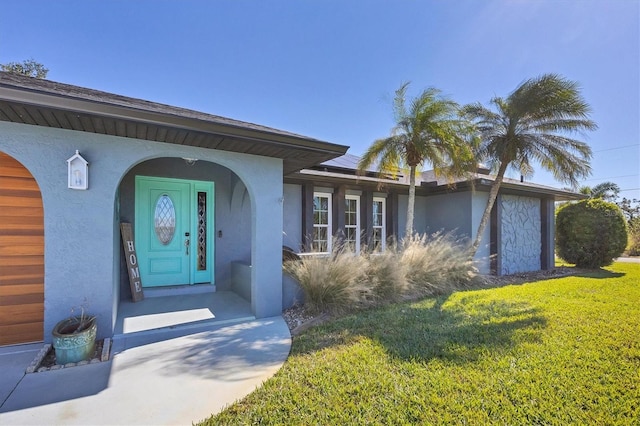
(177, 380)
(635, 259)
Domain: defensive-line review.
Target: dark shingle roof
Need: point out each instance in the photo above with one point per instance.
(47, 103)
(432, 183)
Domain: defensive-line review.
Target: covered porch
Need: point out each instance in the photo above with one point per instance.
(174, 312)
(44, 122)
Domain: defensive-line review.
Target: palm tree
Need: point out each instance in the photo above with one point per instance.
(428, 130)
(608, 191)
(531, 125)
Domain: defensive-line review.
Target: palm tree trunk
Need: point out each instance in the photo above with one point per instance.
(493, 194)
(411, 202)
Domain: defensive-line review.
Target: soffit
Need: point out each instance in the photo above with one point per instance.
(44, 103)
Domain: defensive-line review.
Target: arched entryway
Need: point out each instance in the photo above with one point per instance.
(208, 207)
(21, 255)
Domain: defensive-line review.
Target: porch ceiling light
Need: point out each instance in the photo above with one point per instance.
(78, 172)
(190, 161)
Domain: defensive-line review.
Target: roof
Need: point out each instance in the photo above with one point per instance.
(47, 103)
(486, 179)
(428, 182)
(348, 164)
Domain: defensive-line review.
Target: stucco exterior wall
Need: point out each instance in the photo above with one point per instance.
(420, 223)
(449, 213)
(460, 213)
(82, 238)
(420, 220)
(520, 234)
(292, 217)
(483, 255)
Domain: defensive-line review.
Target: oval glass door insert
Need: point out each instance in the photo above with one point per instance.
(164, 219)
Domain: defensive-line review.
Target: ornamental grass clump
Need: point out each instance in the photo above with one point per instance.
(437, 264)
(331, 283)
(385, 276)
(419, 266)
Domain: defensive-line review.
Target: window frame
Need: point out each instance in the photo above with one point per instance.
(357, 226)
(328, 225)
(382, 226)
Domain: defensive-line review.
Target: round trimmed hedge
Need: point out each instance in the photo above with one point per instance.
(590, 233)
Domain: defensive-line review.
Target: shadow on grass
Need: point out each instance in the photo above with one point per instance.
(600, 274)
(430, 329)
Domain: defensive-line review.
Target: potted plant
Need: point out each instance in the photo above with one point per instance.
(74, 338)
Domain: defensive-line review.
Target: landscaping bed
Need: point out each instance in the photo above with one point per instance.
(299, 318)
(45, 360)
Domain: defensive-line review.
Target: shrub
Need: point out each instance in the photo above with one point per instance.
(634, 237)
(590, 233)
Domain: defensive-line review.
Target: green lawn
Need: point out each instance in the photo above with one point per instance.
(560, 351)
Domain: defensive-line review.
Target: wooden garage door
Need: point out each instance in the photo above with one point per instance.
(21, 255)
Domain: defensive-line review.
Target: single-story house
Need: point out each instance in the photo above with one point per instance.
(209, 199)
(332, 198)
(201, 192)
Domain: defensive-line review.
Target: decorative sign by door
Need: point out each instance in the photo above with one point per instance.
(132, 262)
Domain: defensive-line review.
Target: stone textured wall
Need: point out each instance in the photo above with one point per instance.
(521, 239)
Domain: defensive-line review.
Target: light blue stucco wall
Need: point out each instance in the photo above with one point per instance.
(82, 237)
(457, 212)
(446, 212)
(420, 221)
(292, 220)
(450, 213)
(482, 257)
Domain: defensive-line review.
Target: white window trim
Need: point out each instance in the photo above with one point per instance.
(329, 225)
(383, 227)
(357, 226)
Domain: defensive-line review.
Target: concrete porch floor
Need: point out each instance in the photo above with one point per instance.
(168, 316)
(175, 359)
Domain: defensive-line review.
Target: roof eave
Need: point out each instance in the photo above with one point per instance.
(60, 102)
(317, 150)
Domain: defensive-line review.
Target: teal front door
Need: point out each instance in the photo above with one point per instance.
(173, 231)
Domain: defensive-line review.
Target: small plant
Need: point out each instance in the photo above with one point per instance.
(590, 233)
(74, 338)
(77, 323)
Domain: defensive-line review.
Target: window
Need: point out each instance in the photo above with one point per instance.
(379, 226)
(352, 222)
(201, 241)
(164, 219)
(321, 242)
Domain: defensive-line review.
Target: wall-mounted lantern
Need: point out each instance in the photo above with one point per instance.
(78, 170)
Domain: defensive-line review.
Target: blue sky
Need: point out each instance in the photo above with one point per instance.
(328, 69)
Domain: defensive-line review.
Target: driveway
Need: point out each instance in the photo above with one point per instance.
(635, 259)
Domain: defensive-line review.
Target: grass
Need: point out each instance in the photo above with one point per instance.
(560, 351)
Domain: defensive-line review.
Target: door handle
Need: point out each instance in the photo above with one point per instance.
(187, 242)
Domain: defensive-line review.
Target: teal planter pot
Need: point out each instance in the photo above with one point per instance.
(74, 339)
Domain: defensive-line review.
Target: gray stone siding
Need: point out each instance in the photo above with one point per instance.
(521, 238)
